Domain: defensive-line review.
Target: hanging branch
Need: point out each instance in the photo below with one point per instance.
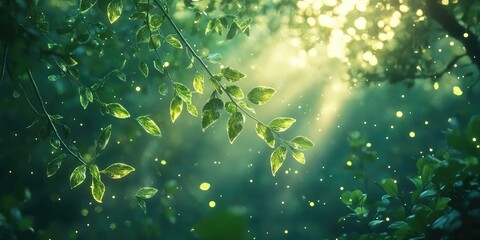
(49, 118)
(204, 65)
(449, 67)
(4, 66)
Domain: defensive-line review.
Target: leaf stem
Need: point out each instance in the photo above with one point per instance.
(52, 124)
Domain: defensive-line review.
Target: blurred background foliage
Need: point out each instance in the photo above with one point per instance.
(318, 54)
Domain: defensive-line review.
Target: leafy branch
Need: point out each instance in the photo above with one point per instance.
(258, 95)
(50, 120)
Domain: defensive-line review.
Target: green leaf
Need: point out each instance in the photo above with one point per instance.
(192, 109)
(375, 223)
(173, 41)
(54, 164)
(176, 107)
(54, 142)
(245, 106)
(145, 193)
(154, 42)
(157, 64)
(54, 78)
(155, 21)
(230, 107)
(214, 58)
(389, 185)
(397, 224)
(149, 125)
(232, 74)
(143, 68)
(83, 101)
(260, 95)
(104, 138)
(118, 170)
(183, 92)
(94, 171)
(210, 26)
(218, 26)
(114, 10)
(121, 76)
(143, 35)
(277, 158)
(85, 5)
(232, 32)
(442, 203)
(299, 156)
(235, 126)
(211, 112)
(235, 91)
(98, 188)
(142, 205)
(89, 94)
(163, 89)
(78, 176)
(428, 193)
(117, 110)
(215, 80)
(198, 82)
(281, 124)
(301, 143)
(266, 134)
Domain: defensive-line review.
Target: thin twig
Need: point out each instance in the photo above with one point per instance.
(204, 65)
(449, 67)
(4, 66)
(37, 92)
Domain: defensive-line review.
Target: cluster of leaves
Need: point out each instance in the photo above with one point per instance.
(441, 201)
(61, 47)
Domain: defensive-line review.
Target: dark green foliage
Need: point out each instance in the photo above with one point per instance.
(440, 201)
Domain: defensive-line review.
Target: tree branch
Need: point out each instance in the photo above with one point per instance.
(450, 24)
(37, 92)
(4, 65)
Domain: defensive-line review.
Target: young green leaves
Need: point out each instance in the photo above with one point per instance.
(54, 164)
(118, 170)
(277, 158)
(97, 187)
(260, 95)
(211, 112)
(78, 176)
(114, 10)
(117, 110)
(235, 125)
(149, 125)
(143, 194)
(85, 5)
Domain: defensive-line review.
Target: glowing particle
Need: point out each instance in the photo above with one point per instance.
(212, 204)
(436, 86)
(349, 163)
(204, 186)
(341, 188)
(312, 204)
(163, 162)
(399, 114)
(286, 231)
(457, 91)
(84, 212)
(360, 23)
(166, 64)
(138, 88)
(465, 35)
(411, 134)
(387, 219)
